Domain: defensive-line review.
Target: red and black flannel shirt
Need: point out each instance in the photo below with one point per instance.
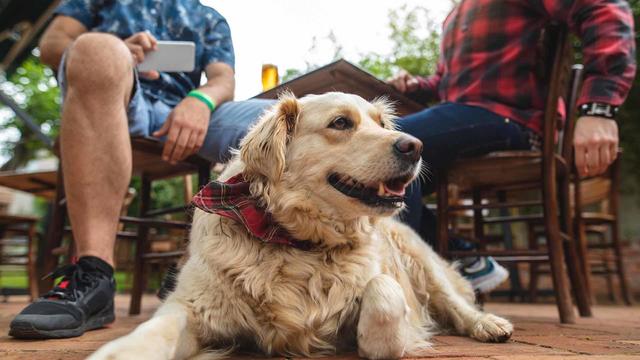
(490, 54)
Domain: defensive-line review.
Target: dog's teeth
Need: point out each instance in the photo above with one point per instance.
(381, 189)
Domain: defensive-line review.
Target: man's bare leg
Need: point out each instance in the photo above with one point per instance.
(95, 145)
(96, 157)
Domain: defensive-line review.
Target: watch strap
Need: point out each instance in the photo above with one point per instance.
(599, 109)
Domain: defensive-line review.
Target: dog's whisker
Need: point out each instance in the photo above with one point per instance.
(425, 174)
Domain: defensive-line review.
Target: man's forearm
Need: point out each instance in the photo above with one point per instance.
(60, 34)
(220, 89)
(52, 47)
(221, 82)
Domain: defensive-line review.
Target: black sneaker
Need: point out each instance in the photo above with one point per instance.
(83, 300)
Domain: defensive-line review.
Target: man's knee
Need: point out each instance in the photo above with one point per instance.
(98, 61)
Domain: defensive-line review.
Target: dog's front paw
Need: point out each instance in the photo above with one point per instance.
(128, 348)
(491, 328)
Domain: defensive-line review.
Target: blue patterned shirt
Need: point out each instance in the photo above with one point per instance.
(179, 20)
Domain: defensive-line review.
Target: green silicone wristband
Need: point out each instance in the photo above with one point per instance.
(204, 98)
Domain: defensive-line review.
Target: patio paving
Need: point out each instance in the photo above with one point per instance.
(613, 333)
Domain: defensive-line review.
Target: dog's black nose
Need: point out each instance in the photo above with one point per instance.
(408, 148)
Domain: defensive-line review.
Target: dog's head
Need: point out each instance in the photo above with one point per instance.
(335, 153)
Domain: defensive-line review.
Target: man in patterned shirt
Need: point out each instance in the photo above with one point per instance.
(492, 94)
(95, 46)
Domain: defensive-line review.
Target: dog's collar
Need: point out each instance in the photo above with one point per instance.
(232, 199)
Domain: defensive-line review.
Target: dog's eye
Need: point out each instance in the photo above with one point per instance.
(341, 123)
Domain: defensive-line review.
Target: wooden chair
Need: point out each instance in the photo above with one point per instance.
(595, 214)
(17, 247)
(508, 172)
(148, 164)
(601, 193)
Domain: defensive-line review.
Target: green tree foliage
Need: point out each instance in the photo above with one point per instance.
(336, 53)
(164, 194)
(415, 38)
(416, 44)
(34, 88)
(629, 118)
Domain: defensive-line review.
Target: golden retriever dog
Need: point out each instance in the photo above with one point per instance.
(332, 171)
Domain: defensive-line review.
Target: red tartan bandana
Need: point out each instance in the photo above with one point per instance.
(232, 199)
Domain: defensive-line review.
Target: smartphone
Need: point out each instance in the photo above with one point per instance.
(170, 56)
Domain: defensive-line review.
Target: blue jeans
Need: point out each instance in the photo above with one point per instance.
(229, 123)
(449, 131)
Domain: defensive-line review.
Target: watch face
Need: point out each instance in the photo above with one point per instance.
(601, 110)
(597, 109)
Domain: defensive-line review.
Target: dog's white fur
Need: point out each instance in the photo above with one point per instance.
(369, 282)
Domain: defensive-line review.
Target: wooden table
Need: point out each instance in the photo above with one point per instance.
(38, 183)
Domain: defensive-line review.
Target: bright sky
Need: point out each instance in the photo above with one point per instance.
(281, 32)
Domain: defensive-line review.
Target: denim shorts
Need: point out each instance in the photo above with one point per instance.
(228, 125)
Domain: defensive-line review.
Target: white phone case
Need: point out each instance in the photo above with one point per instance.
(170, 56)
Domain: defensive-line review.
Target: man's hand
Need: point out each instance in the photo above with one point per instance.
(404, 82)
(185, 129)
(596, 144)
(139, 44)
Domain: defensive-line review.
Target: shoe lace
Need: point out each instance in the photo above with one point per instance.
(74, 282)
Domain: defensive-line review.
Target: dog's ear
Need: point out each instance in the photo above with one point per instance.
(387, 110)
(263, 149)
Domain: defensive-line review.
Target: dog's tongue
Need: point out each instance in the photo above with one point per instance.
(388, 190)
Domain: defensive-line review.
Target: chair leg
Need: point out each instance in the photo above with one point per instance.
(575, 265)
(577, 279)
(139, 267)
(515, 284)
(478, 233)
(478, 225)
(204, 174)
(617, 250)
(55, 233)
(555, 248)
(615, 231)
(443, 215)
(607, 269)
(581, 243)
(534, 268)
(31, 263)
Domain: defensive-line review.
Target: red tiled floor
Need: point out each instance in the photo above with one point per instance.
(613, 333)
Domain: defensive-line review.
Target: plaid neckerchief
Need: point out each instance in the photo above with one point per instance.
(232, 199)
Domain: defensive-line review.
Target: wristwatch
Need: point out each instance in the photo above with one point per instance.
(599, 109)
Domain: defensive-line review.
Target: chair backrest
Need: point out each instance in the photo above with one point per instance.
(571, 99)
(556, 37)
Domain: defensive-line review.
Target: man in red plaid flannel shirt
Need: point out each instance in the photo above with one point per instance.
(492, 94)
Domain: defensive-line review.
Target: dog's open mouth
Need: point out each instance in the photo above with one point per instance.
(388, 193)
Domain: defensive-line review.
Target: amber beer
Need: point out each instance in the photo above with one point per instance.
(270, 77)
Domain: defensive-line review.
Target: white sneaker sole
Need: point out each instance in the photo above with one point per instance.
(492, 280)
